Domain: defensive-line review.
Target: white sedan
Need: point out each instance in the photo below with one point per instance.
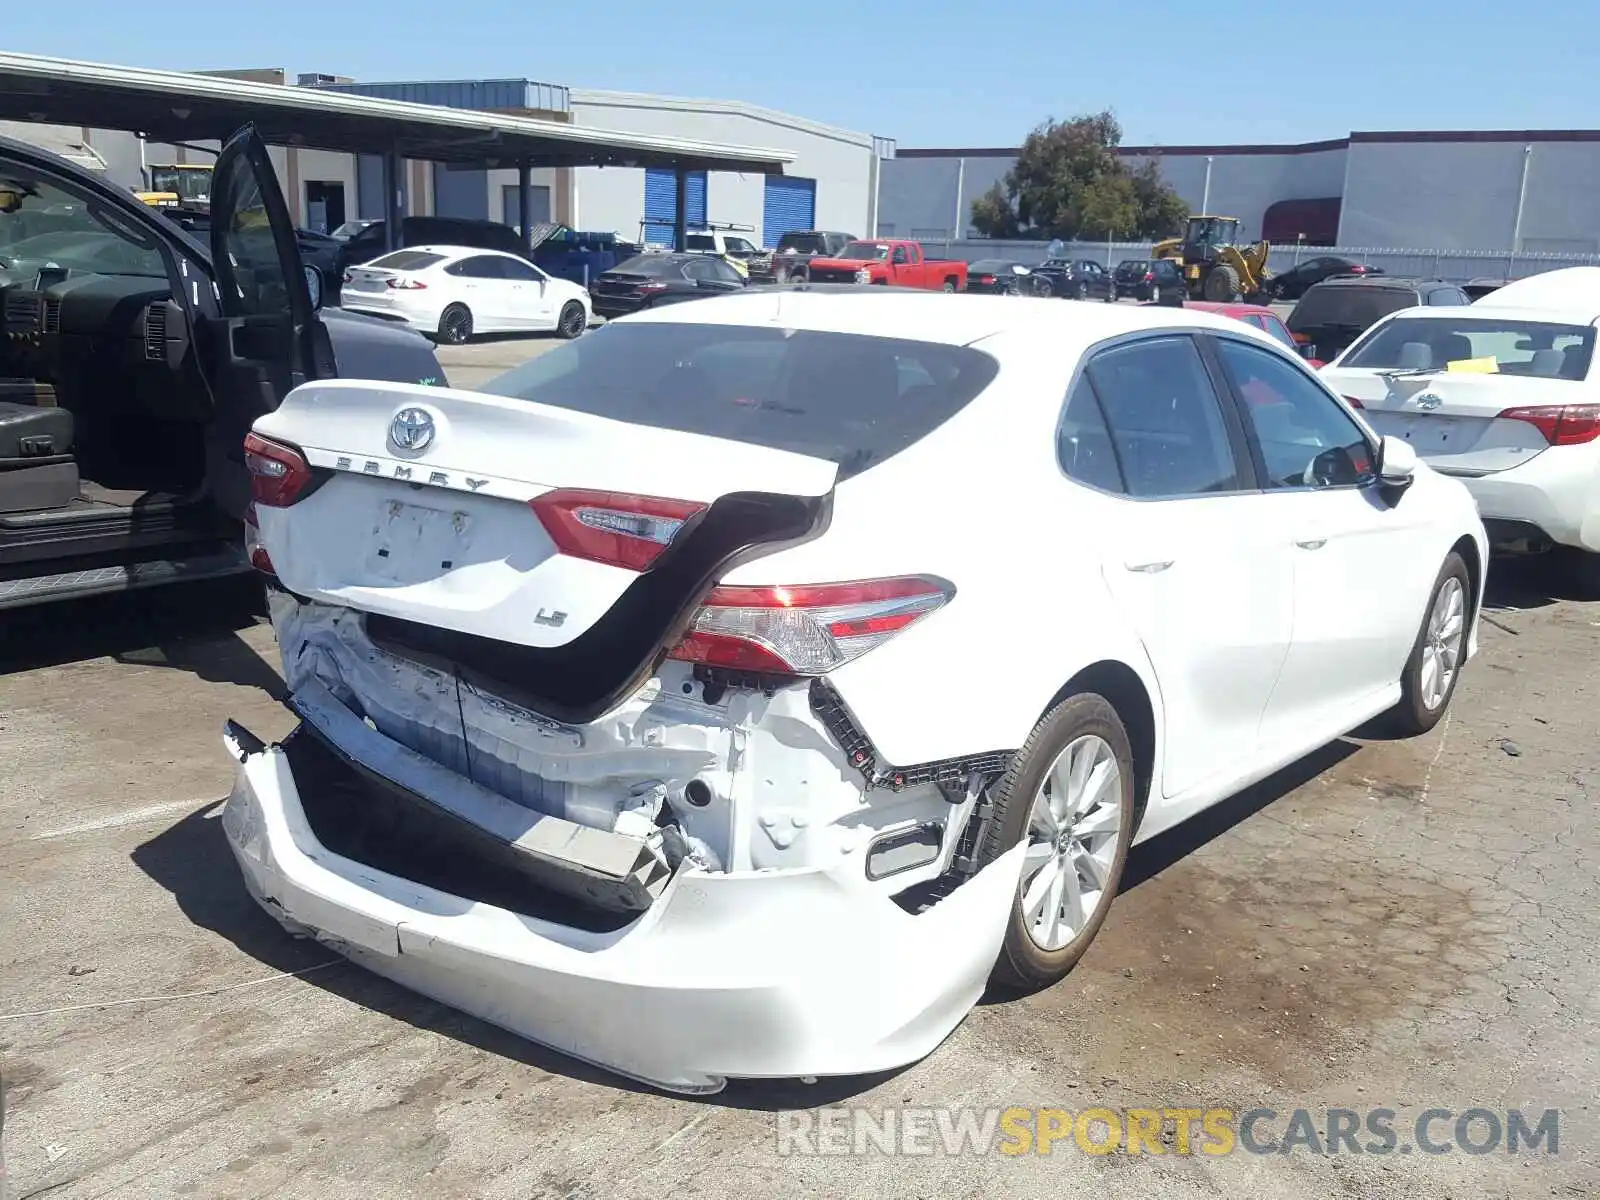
(735, 691)
(453, 293)
(1504, 395)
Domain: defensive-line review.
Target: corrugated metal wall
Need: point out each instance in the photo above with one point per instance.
(661, 203)
(787, 203)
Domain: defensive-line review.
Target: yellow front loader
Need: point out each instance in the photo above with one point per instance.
(1214, 266)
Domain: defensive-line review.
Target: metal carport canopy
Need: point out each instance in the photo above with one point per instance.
(177, 106)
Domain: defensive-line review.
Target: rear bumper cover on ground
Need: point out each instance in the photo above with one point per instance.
(757, 974)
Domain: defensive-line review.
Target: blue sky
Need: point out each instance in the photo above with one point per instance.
(927, 74)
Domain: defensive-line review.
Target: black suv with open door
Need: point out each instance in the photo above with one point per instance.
(133, 361)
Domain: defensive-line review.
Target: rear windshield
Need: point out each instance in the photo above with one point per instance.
(864, 251)
(851, 399)
(406, 260)
(699, 241)
(1128, 266)
(803, 243)
(1350, 308)
(1542, 349)
(652, 264)
(990, 266)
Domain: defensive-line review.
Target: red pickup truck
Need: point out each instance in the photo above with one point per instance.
(887, 261)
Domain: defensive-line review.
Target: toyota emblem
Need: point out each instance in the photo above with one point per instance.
(411, 429)
(1428, 401)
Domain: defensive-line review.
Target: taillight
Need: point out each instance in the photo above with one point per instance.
(278, 473)
(614, 528)
(349, 278)
(1561, 424)
(985, 278)
(1353, 402)
(654, 287)
(407, 285)
(1149, 276)
(806, 630)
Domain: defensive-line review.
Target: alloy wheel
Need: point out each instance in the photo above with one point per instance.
(1441, 647)
(1072, 843)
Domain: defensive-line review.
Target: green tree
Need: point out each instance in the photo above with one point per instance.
(1069, 182)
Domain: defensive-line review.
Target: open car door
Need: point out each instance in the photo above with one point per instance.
(265, 341)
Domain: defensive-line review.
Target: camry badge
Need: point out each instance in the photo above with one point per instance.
(411, 429)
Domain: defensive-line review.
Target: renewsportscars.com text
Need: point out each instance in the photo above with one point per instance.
(1176, 1131)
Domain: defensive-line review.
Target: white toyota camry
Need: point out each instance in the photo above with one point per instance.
(735, 691)
(454, 293)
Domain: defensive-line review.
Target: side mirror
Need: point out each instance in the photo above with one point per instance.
(314, 287)
(1397, 464)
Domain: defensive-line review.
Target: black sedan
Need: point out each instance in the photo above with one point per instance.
(1003, 277)
(1079, 279)
(1154, 279)
(1292, 284)
(650, 280)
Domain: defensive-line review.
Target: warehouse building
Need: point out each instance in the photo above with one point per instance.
(831, 183)
(1528, 191)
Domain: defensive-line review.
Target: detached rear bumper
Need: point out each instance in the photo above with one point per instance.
(755, 974)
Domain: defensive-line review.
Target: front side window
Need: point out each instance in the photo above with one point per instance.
(515, 268)
(1306, 439)
(44, 227)
(700, 241)
(1165, 419)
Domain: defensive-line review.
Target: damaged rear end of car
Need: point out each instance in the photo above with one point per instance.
(554, 767)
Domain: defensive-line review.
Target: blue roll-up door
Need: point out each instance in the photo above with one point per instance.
(789, 204)
(661, 203)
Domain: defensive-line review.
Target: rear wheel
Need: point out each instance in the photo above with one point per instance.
(1069, 795)
(455, 325)
(949, 285)
(1435, 663)
(1083, 291)
(1111, 293)
(1583, 570)
(1155, 293)
(572, 320)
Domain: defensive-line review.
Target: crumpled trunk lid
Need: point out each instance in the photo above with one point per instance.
(433, 534)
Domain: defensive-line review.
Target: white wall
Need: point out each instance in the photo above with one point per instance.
(612, 198)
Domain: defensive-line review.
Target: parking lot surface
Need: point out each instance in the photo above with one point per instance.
(1403, 925)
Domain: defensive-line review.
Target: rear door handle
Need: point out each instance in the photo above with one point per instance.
(1148, 566)
(1313, 543)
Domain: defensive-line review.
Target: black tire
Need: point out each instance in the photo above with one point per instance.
(1582, 571)
(455, 325)
(949, 285)
(1223, 285)
(1111, 293)
(572, 320)
(1155, 293)
(1023, 963)
(1083, 291)
(1413, 716)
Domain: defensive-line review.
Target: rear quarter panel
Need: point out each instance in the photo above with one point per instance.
(982, 503)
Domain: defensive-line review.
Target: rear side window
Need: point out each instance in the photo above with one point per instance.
(1083, 443)
(850, 399)
(699, 241)
(1165, 419)
(655, 266)
(407, 260)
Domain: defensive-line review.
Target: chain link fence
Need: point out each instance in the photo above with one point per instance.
(1456, 266)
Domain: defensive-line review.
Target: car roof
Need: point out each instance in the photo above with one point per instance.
(452, 252)
(953, 319)
(1574, 315)
(1383, 281)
